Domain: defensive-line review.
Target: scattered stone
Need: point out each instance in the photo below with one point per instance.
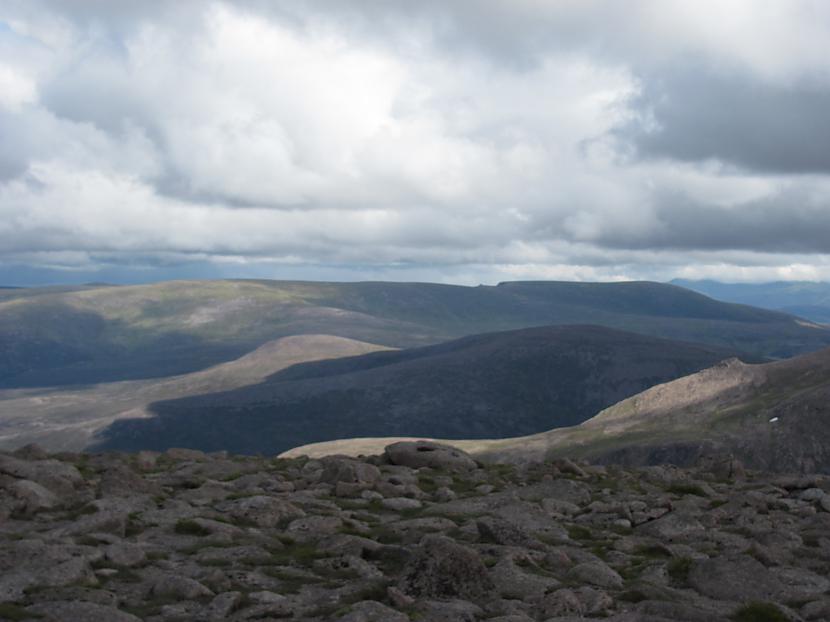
(62, 611)
(373, 611)
(398, 504)
(191, 536)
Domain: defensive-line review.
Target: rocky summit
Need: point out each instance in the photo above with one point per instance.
(422, 532)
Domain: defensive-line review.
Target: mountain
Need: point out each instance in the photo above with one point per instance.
(773, 417)
(95, 334)
(806, 299)
(483, 386)
(66, 418)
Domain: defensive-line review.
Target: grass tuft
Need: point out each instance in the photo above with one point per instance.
(759, 612)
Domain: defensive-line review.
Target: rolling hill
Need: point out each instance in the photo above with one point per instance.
(99, 333)
(773, 417)
(482, 386)
(66, 418)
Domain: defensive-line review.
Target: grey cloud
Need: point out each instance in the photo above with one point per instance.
(791, 222)
(692, 112)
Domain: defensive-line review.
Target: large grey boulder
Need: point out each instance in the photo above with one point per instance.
(178, 587)
(672, 527)
(59, 477)
(29, 563)
(596, 573)
(32, 497)
(576, 602)
(442, 568)
(262, 511)
(337, 469)
(418, 454)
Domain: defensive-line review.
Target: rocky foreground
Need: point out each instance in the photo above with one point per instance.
(420, 533)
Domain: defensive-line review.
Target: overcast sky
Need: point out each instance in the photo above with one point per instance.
(460, 141)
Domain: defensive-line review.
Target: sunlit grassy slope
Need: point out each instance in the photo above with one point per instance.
(88, 334)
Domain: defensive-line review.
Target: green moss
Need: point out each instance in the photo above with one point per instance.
(653, 551)
(759, 612)
(190, 528)
(427, 484)
(679, 568)
(14, 613)
(632, 596)
(680, 488)
(157, 555)
(578, 532)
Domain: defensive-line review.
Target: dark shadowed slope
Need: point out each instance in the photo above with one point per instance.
(92, 334)
(484, 386)
(774, 416)
(66, 418)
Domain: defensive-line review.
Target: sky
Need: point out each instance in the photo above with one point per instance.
(463, 141)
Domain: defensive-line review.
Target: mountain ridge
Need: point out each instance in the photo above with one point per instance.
(90, 334)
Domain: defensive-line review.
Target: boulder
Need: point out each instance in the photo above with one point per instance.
(738, 578)
(178, 587)
(418, 454)
(33, 497)
(442, 568)
(59, 477)
(575, 602)
(262, 511)
(398, 504)
(596, 573)
(339, 469)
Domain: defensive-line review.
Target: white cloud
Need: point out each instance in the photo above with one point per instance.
(429, 138)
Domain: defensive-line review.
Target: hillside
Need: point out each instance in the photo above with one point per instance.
(94, 334)
(483, 386)
(773, 417)
(67, 418)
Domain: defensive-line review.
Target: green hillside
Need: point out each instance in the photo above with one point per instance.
(51, 336)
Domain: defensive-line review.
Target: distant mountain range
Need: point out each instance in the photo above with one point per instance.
(260, 366)
(810, 300)
(94, 334)
(483, 386)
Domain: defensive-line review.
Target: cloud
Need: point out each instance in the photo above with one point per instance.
(697, 114)
(465, 140)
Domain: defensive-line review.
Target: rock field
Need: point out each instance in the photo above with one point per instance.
(423, 532)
